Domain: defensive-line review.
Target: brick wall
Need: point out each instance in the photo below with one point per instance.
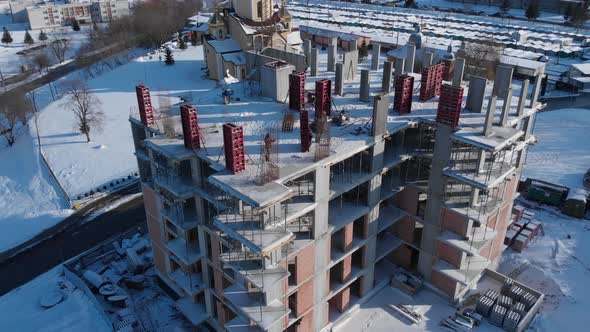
(449, 253)
(306, 323)
(304, 297)
(305, 264)
(346, 268)
(341, 300)
(402, 256)
(453, 221)
(347, 237)
(442, 282)
(405, 229)
(408, 200)
(159, 258)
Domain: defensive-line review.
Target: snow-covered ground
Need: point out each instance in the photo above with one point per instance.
(80, 166)
(21, 311)
(562, 153)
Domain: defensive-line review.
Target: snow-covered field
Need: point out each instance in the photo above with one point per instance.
(562, 153)
(21, 311)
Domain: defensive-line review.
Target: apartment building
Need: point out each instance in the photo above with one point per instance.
(549, 5)
(293, 238)
(58, 13)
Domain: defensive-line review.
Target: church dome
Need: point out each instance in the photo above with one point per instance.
(416, 37)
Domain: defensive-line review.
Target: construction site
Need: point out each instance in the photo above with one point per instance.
(284, 204)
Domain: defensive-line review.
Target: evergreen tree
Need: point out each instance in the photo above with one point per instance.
(568, 13)
(579, 16)
(75, 25)
(42, 36)
(169, 58)
(181, 42)
(363, 50)
(410, 4)
(28, 39)
(532, 11)
(6, 37)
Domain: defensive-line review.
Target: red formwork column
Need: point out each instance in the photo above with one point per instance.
(449, 69)
(144, 102)
(190, 127)
(432, 77)
(233, 141)
(305, 130)
(323, 97)
(449, 105)
(297, 91)
(402, 100)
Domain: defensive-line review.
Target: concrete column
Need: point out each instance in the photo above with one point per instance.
(503, 80)
(536, 90)
(322, 242)
(528, 126)
(399, 67)
(410, 57)
(332, 54)
(380, 108)
(427, 58)
(459, 70)
(307, 49)
(365, 88)
(315, 57)
(376, 55)
(339, 84)
(506, 108)
(487, 129)
(386, 83)
(524, 90)
(476, 94)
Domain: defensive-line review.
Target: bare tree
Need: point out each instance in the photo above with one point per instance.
(41, 61)
(84, 105)
(481, 58)
(14, 109)
(59, 47)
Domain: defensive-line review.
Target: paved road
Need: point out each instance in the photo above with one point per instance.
(76, 239)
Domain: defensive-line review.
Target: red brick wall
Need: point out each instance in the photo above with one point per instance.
(218, 282)
(485, 251)
(505, 213)
(221, 315)
(155, 230)
(402, 256)
(304, 298)
(306, 323)
(342, 299)
(492, 220)
(443, 283)
(347, 237)
(305, 263)
(408, 200)
(215, 250)
(453, 221)
(449, 253)
(346, 268)
(405, 229)
(152, 208)
(159, 258)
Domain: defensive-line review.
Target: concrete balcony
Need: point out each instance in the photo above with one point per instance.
(183, 220)
(250, 267)
(191, 283)
(342, 213)
(472, 267)
(385, 244)
(471, 244)
(196, 313)
(487, 179)
(181, 187)
(188, 253)
(266, 316)
(239, 324)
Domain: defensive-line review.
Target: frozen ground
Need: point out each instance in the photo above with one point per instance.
(20, 309)
(562, 153)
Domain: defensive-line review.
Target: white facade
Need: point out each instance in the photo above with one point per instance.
(60, 14)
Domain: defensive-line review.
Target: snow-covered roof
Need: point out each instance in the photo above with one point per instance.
(329, 33)
(577, 194)
(584, 68)
(237, 58)
(204, 27)
(225, 45)
(533, 66)
(294, 38)
(200, 18)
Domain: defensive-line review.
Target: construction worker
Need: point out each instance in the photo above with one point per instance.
(268, 142)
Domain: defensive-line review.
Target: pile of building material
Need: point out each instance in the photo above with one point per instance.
(522, 229)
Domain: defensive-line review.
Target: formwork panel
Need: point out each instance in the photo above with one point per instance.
(402, 100)
(432, 78)
(190, 127)
(449, 105)
(297, 91)
(233, 140)
(323, 98)
(305, 130)
(144, 103)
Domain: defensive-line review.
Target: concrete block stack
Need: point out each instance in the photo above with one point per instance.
(528, 300)
(520, 308)
(522, 229)
(515, 292)
(484, 305)
(497, 315)
(492, 294)
(511, 321)
(505, 301)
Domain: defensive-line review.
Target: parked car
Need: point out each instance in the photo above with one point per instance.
(464, 321)
(477, 318)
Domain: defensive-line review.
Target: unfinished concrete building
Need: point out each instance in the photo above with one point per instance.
(429, 192)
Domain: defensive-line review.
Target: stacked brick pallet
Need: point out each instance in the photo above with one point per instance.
(190, 127)
(402, 100)
(144, 102)
(432, 78)
(233, 140)
(449, 105)
(323, 98)
(507, 308)
(522, 230)
(297, 91)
